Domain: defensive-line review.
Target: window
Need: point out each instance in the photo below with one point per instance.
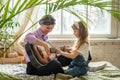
(101, 23)
(101, 26)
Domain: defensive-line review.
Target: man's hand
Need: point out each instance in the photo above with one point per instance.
(52, 56)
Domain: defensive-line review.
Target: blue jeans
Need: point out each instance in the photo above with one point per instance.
(77, 67)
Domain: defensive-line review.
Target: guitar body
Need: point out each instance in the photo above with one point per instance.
(38, 55)
(32, 56)
(41, 54)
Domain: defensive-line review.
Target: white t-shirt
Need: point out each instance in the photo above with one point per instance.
(84, 51)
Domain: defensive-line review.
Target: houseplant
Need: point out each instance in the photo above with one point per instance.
(7, 15)
(52, 6)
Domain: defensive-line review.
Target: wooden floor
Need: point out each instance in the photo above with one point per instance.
(19, 59)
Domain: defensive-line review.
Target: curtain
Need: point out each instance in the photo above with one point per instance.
(18, 47)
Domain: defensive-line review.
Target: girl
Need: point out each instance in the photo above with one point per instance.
(80, 52)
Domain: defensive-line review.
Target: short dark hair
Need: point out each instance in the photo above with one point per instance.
(47, 20)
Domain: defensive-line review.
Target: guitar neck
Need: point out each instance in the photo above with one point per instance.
(53, 50)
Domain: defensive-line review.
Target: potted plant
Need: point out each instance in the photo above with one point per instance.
(6, 20)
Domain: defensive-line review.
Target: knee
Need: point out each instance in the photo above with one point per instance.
(57, 63)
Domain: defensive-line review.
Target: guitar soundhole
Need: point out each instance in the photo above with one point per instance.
(40, 51)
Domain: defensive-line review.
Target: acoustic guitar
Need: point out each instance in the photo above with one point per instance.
(38, 55)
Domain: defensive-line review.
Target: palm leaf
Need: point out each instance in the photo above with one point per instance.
(22, 5)
(30, 3)
(2, 8)
(6, 11)
(115, 13)
(27, 5)
(14, 8)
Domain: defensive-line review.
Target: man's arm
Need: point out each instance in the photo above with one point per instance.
(31, 38)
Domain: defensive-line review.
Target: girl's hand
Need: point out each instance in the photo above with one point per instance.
(58, 50)
(67, 49)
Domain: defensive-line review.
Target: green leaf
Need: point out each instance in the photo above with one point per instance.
(4, 76)
(6, 10)
(22, 5)
(14, 8)
(115, 13)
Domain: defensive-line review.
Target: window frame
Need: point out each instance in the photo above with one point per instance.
(114, 32)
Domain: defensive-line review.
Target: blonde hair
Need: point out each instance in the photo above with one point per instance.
(83, 34)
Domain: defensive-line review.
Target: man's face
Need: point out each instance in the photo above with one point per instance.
(46, 28)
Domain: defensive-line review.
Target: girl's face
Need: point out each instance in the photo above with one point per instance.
(76, 32)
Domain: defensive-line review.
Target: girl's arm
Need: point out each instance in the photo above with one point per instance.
(72, 54)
